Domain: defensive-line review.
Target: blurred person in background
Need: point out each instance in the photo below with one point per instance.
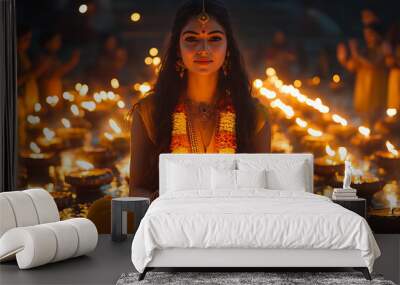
(393, 62)
(369, 65)
(52, 69)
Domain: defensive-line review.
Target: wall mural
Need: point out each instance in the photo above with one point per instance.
(77, 84)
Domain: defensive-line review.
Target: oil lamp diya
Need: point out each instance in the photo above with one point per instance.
(389, 160)
(97, 155)
(390, 124)
(316, 141)
(88, 176)
(332, 163)
(118, 140)
(71, 136)
(366, 142)
(385, 217)
(49, 142)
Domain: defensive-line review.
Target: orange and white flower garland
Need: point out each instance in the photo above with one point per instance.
(226, 133)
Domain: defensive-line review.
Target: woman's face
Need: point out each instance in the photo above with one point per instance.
(203, 49)
(371, 37)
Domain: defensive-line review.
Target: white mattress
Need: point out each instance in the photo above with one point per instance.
(251, 219)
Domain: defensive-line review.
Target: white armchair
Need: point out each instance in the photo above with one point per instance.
(31, 230)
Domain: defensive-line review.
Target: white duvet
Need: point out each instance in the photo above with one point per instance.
(251, 218)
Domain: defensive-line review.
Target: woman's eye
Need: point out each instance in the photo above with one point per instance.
(215, 39)
(190, 39)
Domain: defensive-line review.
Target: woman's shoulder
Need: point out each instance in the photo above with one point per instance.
(262, 114)
(145, 108)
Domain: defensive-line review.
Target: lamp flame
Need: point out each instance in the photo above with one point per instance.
(330, 151)
(338, 119)
(342, 153)
(48, 133)
(364, 131)
(66, 123)
(392, 149)
(391, 112)
(84, 164)
(301, 122)
(115, 126)
(314, 133)
(34, 147)
(109, 136)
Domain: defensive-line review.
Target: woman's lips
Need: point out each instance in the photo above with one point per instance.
(203, 61)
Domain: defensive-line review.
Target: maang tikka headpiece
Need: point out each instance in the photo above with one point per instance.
(203, 16)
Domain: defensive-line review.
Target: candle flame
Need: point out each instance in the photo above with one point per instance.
(37, 107)
(364, 131)
(338, 119)
(288, 110)
(110, 95)
(156, 61)
(153, 51)
(33, 119)
(34, 147)
(89, 105)
(391, 112)
(297, 83)
(342, 153)
(144, 88)
(109, 136)
(83, 90)
(267, 93)
(314, 133)
(52, 100)
(392, 149)
(257, 83)
(270, 71)
(78, 86)
(114, 83)
(121, 104)
(48, 133)
(75, 110)
(115, 126)
(66, 123)
(330, 151)
(84, 164)
(336, 78)
(68, 96)
(301, 122)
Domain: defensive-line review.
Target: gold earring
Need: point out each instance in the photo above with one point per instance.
(180, 68)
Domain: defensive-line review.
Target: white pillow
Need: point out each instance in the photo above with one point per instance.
(223, 178)
(282, 174)
(251, 178)
(181, 177)
(237, 179)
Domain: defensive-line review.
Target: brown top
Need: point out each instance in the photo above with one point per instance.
(144, 158)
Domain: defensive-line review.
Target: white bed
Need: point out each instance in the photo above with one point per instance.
(250, 227)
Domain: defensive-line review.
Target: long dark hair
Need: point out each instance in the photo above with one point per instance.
(169, 86)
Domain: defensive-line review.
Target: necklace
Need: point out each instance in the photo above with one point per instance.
(202, 110)
(193, 137)
(183, 141)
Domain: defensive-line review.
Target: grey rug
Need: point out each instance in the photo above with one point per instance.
(269, 278)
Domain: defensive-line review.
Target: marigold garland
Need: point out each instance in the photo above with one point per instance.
(226, 133)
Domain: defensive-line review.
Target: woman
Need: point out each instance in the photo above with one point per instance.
(371, 73)
(52, 69)
(201, 101)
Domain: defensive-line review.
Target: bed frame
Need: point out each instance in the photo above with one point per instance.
(250, 258)
(246, 259)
